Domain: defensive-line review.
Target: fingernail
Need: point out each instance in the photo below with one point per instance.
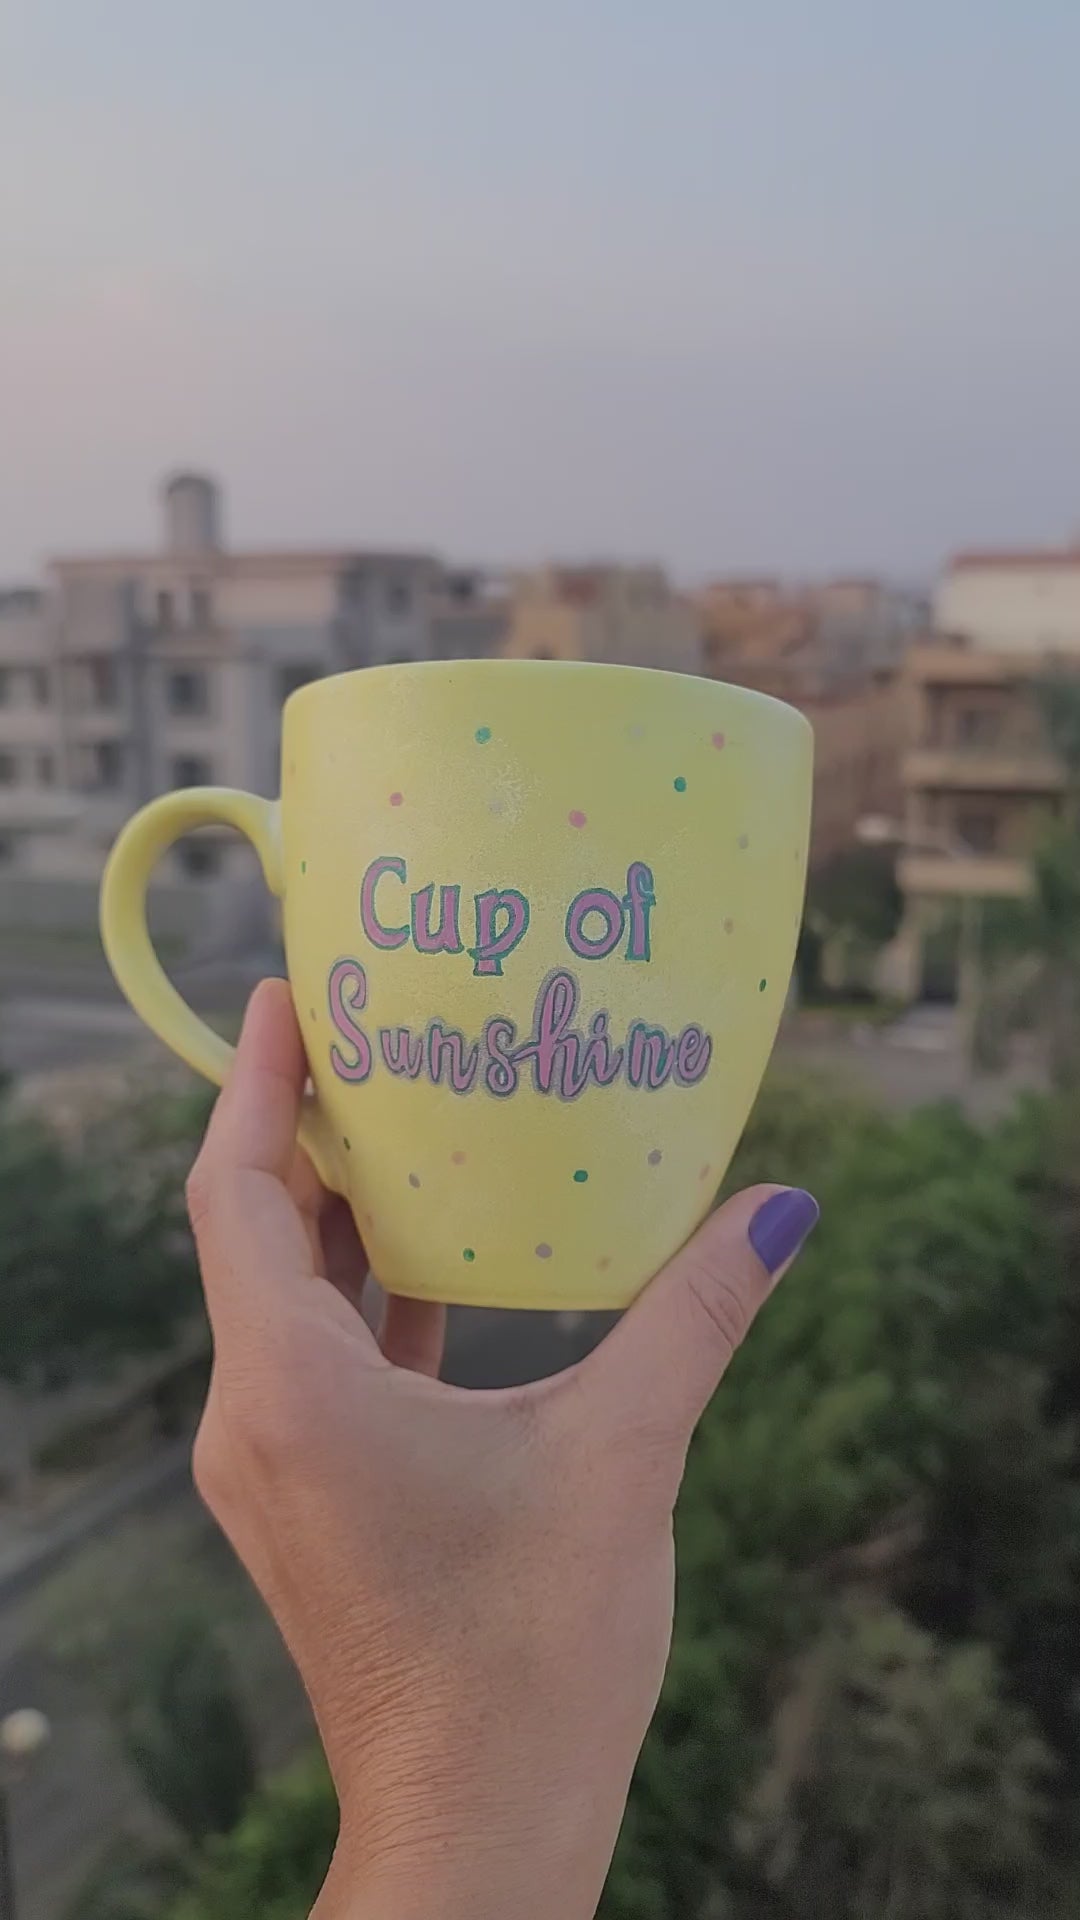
(780, 1226)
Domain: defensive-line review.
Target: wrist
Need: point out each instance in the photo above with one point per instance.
(449, 1883)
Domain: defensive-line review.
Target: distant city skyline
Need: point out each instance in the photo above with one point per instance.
(791, 291)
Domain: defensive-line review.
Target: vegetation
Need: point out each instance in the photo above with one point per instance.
(873, 1705)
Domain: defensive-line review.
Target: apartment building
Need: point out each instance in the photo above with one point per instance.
(35, 812)
(980, 784)
(623, 615)
(171, 667)
(825, 651)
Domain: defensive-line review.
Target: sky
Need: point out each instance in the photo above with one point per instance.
(731, 284)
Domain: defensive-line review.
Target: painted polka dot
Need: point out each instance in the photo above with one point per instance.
(458, 1157)
(576, 819)
(705, 1172)
(655, 1157)
(543, 1251)
(312, 1012)
(483, 735)
(346, 1143)
(744, 842)
(636, 732)
(603, 1264)
(496, 806)
(718, 742)
(292, 769)
(679, 783)
(729, 926)
(468, 1254)
(580, 1177)
(762, 984)
(414, 1179)
(396, 799)
(303, 866)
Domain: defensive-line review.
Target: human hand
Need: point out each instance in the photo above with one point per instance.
(477, 1588)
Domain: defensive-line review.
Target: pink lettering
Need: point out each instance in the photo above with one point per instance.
(386, 938)
(493, 946)
(347, 990)
(446, 937)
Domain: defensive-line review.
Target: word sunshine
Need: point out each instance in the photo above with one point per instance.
(556, 1057)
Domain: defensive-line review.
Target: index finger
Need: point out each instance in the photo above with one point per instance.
(252, 1243)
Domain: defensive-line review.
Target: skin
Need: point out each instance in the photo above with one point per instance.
(477, 1588)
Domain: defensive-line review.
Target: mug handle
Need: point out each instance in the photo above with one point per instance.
(129, 949)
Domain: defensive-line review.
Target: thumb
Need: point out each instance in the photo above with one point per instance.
(671, 1349)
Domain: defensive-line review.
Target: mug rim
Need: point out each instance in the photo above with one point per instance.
(516, 667)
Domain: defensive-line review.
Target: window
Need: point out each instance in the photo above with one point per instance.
(39, 686)
(979, 831)
(978, 727)
(188, 691)
(9, 769)
(107, 764)
(46, 769)
(198, 859)
(192, 770)
(101, 681)
(292, 678)
(165, 610)
(201, 608)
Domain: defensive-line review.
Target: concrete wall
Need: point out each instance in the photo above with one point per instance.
(1014, 607)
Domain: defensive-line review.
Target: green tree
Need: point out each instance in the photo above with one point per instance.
(81, 1279)
(275, 1861)
(919, 1792)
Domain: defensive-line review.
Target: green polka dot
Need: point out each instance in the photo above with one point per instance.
(467, 1254)
(303, 866)
(483, 735)
(346, 1144)
(762, 984)
(680, 784)
(581, 1176)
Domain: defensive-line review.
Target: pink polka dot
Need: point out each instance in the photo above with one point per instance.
(603, 1265)
(396, 799)
(543, 1251)
(705, 1172)
(718, 741)
(744, 842)
(577, 819)
(655, 1157)
(459, 1158)
(729, 926)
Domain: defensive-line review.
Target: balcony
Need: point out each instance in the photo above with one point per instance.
(986, 769)
(1002, 875)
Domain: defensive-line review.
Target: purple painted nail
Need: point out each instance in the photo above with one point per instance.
(780, 1226)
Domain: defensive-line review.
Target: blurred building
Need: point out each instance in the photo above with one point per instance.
(169, 668)
(980, 783)
(36, 815)
(626, 615)
(833, 651)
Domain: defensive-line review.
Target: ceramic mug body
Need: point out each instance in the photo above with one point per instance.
(539, 922)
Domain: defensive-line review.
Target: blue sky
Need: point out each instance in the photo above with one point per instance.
(735, 286)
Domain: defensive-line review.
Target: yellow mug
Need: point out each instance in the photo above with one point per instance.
(539, 920)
